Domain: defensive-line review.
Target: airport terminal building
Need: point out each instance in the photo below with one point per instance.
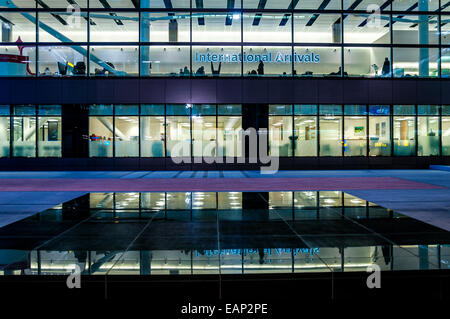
(118, 84)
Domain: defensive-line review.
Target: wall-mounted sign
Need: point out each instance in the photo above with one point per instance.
(252, 58)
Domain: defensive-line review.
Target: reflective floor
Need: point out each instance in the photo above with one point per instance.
(226, 232)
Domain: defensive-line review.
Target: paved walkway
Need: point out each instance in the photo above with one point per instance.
(422, 194)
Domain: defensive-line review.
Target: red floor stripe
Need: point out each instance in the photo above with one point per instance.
(210, 184)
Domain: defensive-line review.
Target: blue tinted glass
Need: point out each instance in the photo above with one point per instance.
(305, 109)
(24, 110)
(428, 109)
(404, 110)
(445, 109)
(204, 109)
(355, 110)
(280, 109)
(379, 110)
(152, 109)
(178, 109)
(127, 109)
(229, 109)
(331, 110)
(101, 109)
(49, 110)
(4, 109)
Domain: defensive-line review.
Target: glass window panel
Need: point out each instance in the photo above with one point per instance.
(367, 61)
(355, 136)
(165, 61)
(445, 62)
(153, 201)
(317, 28)
(445, 29)
(280, 135)
(445, 109)
(428, 109)
(4, 110)
(228, 139)
(101, 109)
(204, 109)
(24, 110)
(17, 25)
(157, 27)
(446, 135)
(204, 136)
(363, 5)
(152, 136)
(428, 136)
(15, 62)
(49, 110)
(178, 4)
(229, 109)
(305, 135)
(330, 135)
(414, 29)
(216, 27)
(268, 61)
(49, 139)
(25, 4)
(355, 109)
(114, 61)
(178, 136)
(305, 109)
(219, 4)
(404, 110)
(178, 109)
(280, 109)
(330, 110)
(114, 27)
(267, 27)
(4, 136)
(112, 3)
(100, 136)
(62, 61)
(127, 136)
(317, 61)
(379, 135)
(127, 109)
(413, 5)
(362, 29)
(269, 4)
(404, 136)
(24, 144)
(331, 5)
(66, 27)
(58, 4)
(224, 61)
(152, 109)
(379, 110)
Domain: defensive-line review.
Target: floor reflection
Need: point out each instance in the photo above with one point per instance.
(227, 232)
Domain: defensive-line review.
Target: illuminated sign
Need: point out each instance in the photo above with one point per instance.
(251, 58)
(266, 251)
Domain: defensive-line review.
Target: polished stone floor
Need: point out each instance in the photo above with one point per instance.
(195, 233)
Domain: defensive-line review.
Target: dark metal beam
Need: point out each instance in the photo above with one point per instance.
(257, 18)
(199, 5)
(314, 17)
(411, 8)
(229, 19)
(106, 5)
(382, 7)
(57, 17)
(286, 16)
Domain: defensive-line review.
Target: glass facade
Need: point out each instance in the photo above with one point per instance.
(225, 38)
(210, 130)
(176, 130)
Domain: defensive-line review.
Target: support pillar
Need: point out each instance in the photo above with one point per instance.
(424, 68)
